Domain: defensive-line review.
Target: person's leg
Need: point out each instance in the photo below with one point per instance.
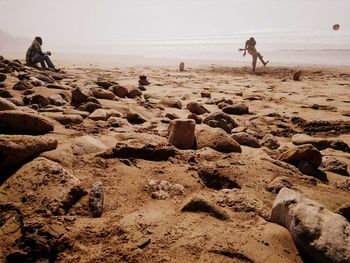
(49, 62)
(262, 60)
(39, 59)
(254, 62)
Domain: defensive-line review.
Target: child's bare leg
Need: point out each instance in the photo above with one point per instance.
(255, 58)
(262, 60)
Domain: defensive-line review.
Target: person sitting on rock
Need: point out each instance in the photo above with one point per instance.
(250, 46)
(35, 55)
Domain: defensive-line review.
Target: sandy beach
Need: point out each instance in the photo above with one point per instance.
(105, 183)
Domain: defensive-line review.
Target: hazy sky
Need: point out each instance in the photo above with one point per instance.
(76, 22)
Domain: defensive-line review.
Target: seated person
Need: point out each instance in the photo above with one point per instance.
(35, 55)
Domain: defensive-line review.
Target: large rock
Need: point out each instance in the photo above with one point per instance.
(216, 139)
(221, 120)
(2, 77)
(182, 133)
(305, 152)
(119, 91)
(246, 139)
(196, 108)
(89, 106)
(80, 95)
(15, 149)
(7, 105)
(239, 109)
(334, 165)
(15, 121)
(44, 185)
(323, 235)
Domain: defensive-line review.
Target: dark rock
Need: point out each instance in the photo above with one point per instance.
(5, 94)
(278, 183)
(146, 152)
(297, 75)
(306, 168)
(80, 95)
(65, 119)
(205, 94)
(172, 116)
(196, 108)
(2, 77)
(135, 118)
(22, 85)
(236, 109)
(143, 80)
(104, 84)
(221, 120)
(304, 152)
(103, 94)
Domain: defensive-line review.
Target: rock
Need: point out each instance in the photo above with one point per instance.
(103, 114)
(96, 199)
(80, 95)
(297, 75)
(47, 185)
(304, 152)
(135, 118)
(197, 205)
(16, 149)
(45, 78)
(171, 103)
(236, 109)
(83, 114)
(270, 142)
(344, 210)
(196, 108)
(7, 105)
(216, 139)
(103, 94)
(114, 122)
(5, 94)
(306, 168)
(146, 152)
(51, 109)
(89, 107)
(161, 189)
(278, 183)
(182, 66)
(104, 84)
(246, 139)
(65, 119)
(16, 101)
(143, 80)
(221, 120)
(135, 92)
(38, 99)
(171, 116)
(205, 95)
(334, 165)
(2, 77)
(142, 88)
(57, 100)
(22, 85)
(15, 121)
(119, 91)
(320, 143)
(196, 118)
(182, 133)
(322, 235)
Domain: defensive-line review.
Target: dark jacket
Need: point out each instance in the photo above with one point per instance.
(33, 51)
